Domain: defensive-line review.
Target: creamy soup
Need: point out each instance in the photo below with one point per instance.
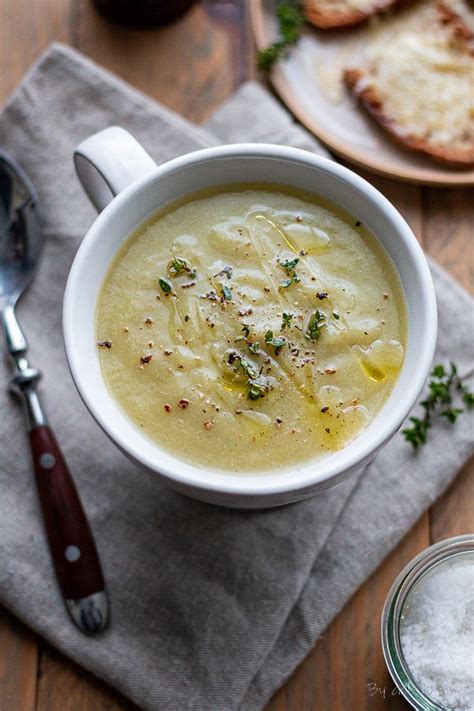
(251, 328)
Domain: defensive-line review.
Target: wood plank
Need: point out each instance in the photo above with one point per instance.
(190, 66)
(448, 217)
(66, 687)
(26, 29)
(336, 674)
(18, 665)
(448, 225)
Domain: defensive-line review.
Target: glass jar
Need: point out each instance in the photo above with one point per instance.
(429, 560)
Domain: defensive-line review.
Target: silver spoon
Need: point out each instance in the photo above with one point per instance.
(69, 536)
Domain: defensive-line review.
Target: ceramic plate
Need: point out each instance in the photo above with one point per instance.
(309, 82)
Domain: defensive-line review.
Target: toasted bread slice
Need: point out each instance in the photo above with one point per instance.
(458, 17)
(342, 13)
(417, 85)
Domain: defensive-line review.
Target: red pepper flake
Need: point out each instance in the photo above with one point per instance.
(146, 358)
(148, 322)
(183, 403)
(325, 409)
(167, 408)
(104, 344)
(208, 425)
(330, 371)
(245, 312)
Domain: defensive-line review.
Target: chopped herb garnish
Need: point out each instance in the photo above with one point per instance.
(166, 287)
(254, 348)
(277, 343)
(247, 367)
(227, 271)
(256, 383)
(315, 325)
(287, 318)
(178, 265)
(441, 390)
(290, 21)
(336, 316)
(226, 292)
(289, 267)
(257, 388)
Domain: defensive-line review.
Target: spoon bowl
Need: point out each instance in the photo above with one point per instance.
(20, 232)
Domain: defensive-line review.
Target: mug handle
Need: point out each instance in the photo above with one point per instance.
(109, 161)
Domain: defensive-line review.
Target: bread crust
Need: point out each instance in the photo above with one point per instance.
(370, 99)
(460, 31)
(351, 16)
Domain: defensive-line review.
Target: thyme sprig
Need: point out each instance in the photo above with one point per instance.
(442, 389)
(289, 266)
(257, 384)
(290, 19)
(316, 323)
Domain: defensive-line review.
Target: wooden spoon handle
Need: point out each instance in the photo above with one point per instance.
(70, 538)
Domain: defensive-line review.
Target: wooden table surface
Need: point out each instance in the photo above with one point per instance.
(192, 66)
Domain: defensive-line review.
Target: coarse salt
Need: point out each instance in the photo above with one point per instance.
(437, 632)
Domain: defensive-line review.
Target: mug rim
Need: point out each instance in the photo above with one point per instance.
(286, 480)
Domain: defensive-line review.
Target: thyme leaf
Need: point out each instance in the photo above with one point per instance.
(226, 292)
(287, 318)
(179, 265)
(277, 342)
(165, 286)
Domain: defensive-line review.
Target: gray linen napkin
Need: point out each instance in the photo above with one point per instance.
(212, 609)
